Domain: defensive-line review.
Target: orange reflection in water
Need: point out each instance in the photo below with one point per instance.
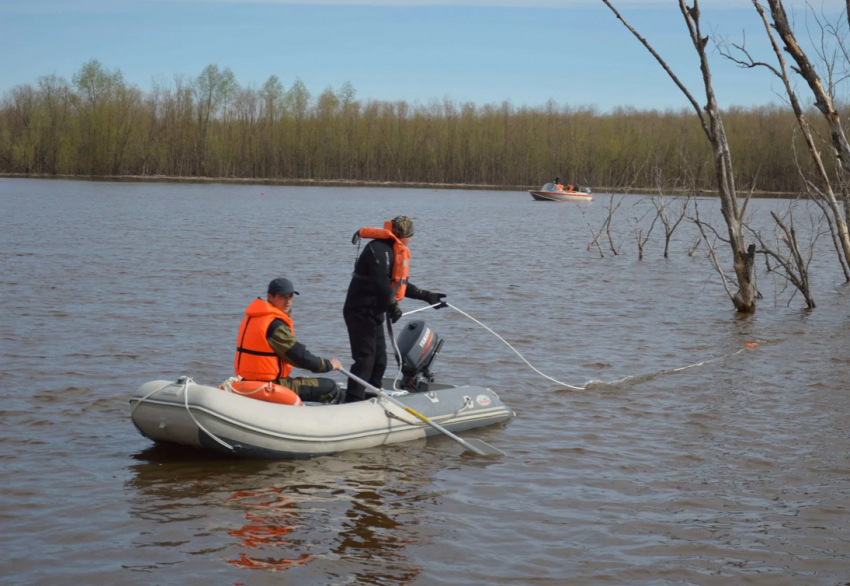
(268, 525)
(270, 564)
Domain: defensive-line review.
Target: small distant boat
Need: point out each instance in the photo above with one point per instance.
(551, 192)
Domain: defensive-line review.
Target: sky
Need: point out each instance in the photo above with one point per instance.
(574, 52)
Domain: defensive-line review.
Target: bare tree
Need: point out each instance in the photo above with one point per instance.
(794, 266)
(606, 227)
(638, 230)
(662, 206)
(744, 299)
(823, 101)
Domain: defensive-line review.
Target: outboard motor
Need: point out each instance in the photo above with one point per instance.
(418, 346)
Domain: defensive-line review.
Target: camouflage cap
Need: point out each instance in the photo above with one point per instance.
(402, 227)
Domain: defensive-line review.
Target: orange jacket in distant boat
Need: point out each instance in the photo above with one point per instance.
(401, 265)
(255, 360)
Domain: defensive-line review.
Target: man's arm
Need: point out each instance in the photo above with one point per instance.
(293, 352)
(414, 292)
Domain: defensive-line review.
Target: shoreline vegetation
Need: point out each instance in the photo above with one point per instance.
(211, 128)
(361, 183)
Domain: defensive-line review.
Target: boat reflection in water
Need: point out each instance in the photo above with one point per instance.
(353, 516)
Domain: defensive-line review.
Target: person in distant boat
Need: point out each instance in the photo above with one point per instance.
(558, 183)
(378, 283)
(266, 349)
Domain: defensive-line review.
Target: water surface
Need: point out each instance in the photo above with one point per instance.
(733, 472)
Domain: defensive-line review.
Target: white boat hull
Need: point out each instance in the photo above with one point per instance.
(247, 427)
(561, 196)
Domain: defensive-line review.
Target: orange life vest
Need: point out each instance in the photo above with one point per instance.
(401, 265)
(255, 360)
(559, 186)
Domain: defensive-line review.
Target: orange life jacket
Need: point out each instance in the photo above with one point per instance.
(401, 265)
(255, 360)
(559, 186)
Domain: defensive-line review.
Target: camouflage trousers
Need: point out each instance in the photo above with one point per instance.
(316, 390)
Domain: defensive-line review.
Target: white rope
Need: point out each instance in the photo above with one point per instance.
(422, 309)
(591, 383)
(186, 381)
(668, 371)
(228, 386)
(198, 423)
(515, 350)
(145, 398)
(398, 360)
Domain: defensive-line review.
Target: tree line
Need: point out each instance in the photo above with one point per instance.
(211, 126)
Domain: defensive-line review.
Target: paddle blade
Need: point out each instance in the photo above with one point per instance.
(484, 448)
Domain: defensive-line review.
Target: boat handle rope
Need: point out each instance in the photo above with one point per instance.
(145, 398)
(588, 384)
(186, 382)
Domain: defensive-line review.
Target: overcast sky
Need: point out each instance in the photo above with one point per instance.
(484, 51)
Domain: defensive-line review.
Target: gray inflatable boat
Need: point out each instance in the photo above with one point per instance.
(191, 414)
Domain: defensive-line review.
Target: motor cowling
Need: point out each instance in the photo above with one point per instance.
(418, 345)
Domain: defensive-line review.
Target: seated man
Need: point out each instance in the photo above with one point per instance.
(558, 183)
(266, 349)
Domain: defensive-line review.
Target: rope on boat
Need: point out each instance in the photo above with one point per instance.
(143, 399)
(186, 382)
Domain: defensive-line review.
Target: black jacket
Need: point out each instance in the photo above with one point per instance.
(371, 284)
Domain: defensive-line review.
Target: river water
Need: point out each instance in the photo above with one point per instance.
(735, 472)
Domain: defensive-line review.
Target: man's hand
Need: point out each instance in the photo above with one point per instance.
(335, 364)
(434, 298)
(394, 313)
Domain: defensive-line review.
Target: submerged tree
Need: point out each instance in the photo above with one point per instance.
(822, 189)
(744, 299)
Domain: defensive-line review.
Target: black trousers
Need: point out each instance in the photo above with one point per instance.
(368, 349)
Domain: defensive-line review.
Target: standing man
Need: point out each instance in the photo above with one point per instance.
(378, 283)
(266, 349)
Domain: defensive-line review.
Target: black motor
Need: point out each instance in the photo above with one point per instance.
(418, 346)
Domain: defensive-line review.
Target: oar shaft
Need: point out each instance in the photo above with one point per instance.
(401, 405)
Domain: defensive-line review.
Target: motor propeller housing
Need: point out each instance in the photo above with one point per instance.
(418, 345)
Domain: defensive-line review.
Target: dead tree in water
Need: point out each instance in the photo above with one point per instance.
(606, 226)
(670, 224)
(823, 101)
(704, 229)
(661, 207)
(744, 298)
(638, 231)
(794, 267)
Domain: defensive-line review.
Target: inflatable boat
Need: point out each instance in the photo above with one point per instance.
(184, 412)
(550, 192)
